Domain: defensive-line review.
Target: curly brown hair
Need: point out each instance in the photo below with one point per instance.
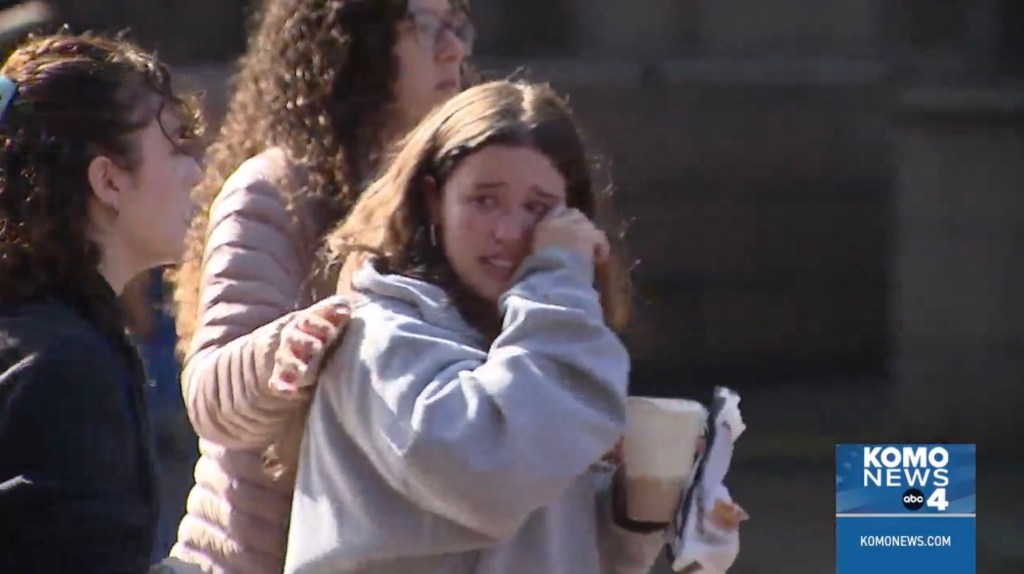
(79, 96)
(316, 80)
(391, 222)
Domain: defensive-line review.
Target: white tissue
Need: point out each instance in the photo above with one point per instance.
(697, 544)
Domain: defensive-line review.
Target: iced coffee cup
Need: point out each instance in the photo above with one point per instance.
(658, 453)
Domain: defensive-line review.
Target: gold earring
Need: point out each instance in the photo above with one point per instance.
(433, 235)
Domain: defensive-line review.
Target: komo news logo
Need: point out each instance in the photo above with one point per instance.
(922, 469)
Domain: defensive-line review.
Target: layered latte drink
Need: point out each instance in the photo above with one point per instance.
(658, 452)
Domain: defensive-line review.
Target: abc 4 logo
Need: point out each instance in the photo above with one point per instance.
(914, 500)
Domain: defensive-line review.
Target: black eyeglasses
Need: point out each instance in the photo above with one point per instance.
(430, 26)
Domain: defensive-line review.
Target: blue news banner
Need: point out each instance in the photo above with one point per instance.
(905, 508)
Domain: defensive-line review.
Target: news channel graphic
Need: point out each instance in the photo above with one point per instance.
(904, 508)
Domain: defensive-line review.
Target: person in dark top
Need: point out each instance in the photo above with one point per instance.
(97, 161)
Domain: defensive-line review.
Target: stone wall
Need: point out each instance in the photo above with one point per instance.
(759, 216)
(957, 317)
(182, 31)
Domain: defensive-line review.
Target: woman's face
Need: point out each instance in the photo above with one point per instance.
(154, 212)
(487, 210)
(433, 40)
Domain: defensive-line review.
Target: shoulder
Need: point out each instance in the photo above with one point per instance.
(388, 341)
(393, 332)
(270, 180)
(47, 343)
(67, 387)
(263, 200)
(263, 183)
(52, 328)
(377, 318)
(274, 166)
(409, 298)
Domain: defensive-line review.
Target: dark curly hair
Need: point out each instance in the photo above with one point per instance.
(316, 80)
(78, 97)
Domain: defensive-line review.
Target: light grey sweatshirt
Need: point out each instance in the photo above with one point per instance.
(428, 452)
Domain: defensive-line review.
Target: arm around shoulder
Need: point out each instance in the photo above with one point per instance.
(255, 263)
(486, 437)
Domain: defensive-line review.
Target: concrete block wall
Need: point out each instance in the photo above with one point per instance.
(957, 318)
(760, 219)
(660, 28)
(183, 32)
(793, 27)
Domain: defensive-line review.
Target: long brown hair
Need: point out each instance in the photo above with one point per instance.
(317, 81)
(78, 96)
(390, 223)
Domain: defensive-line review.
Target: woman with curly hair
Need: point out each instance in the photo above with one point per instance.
(97, 160)
(323, 89)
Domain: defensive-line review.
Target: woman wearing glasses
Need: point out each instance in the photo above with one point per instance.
(323, 89)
